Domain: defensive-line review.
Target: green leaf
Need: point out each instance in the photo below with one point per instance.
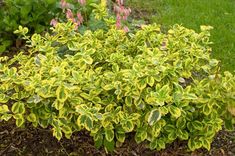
(96, 100)
(197, 125)
(175, 111)
(120, 137)
(76, 75)
(44, 123)
(150, 81)
(191, 144)
(128, 125)
(228, 124)
(3, 98)
(206, 109)
(34, 99)
(213, 62)
(115, 67)
(190, 127)
(32, 117)
(179, 88)
(154, 116)
(153, 144)
(164, 91)
(109, 135)
(108, 87)
(6, 117)
(61, 94)
(177, 97)
(109, 146)
(25, 10)
(128, 101)
(4, 109)
(169, 128)
(85, 121)
(85, 96)
(2, 48)
(134, 116)
(231, 110)
(72, 46)
(57, 133)
(190, 96)
(141, 135)
(19, 120)
(140, 104)
(106, 122)
(161, 144)
(141, 84)
(58, 104)
(88, 59)
(44, 92)
(181, 122)
(164, 110)
(98, 141)
(156, 130)
(206, 144)
(67, 129)
(35, 38)
(172, 135)
(182, 134)
(18, 108)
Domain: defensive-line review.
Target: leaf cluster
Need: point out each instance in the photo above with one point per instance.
(160, 86)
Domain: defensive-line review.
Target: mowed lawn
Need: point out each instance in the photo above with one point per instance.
(192, 13)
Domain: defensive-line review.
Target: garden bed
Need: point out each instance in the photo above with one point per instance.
(120, 89)
(32, 141)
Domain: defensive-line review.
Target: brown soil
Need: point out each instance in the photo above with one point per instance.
(32, 141)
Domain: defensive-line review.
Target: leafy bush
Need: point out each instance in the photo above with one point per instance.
(37, 14)
(111, 83)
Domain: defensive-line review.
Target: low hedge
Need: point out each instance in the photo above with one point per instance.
(161, 86)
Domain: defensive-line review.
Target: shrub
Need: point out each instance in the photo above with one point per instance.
(159, 86)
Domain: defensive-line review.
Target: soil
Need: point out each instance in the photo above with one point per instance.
(30, 141)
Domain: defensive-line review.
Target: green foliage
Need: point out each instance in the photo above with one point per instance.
(37, 14)
(159, 86)
(192, 14)
(33, 14)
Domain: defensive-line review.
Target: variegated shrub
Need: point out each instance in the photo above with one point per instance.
(159, 86)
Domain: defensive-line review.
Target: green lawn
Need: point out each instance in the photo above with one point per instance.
(192, 13)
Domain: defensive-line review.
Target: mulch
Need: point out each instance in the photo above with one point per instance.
(30, 141)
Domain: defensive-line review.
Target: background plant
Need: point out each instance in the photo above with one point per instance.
(34, 14)
(37, 16)
(159, 86)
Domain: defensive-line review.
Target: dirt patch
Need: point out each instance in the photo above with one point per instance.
(30, 141)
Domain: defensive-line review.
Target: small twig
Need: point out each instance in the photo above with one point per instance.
(45, 130)
(64, 149)
(3, 151)
(4, 132)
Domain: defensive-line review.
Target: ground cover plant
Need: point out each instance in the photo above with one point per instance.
(192, 14)
(160, 86)
(115, 81)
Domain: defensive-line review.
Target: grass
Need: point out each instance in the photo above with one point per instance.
(192, 13)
